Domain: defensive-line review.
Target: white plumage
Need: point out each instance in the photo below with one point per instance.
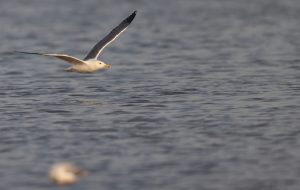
(90, 63)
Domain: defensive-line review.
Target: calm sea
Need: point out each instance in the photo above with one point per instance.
(201, 95)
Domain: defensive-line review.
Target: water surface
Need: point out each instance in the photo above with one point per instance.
(201, 95)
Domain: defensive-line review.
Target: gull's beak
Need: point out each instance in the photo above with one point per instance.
(107, 66)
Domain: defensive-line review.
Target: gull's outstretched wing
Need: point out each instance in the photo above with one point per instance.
(94, 53)
(67, 58)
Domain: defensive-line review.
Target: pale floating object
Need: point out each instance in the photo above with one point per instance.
(90, 63)
(65, 173)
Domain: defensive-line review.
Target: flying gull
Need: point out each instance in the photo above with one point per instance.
(90, 63)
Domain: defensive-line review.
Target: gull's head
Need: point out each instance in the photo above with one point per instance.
(65, 173)
(102, 65)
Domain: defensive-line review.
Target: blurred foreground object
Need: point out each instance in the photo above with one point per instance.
(65, 173)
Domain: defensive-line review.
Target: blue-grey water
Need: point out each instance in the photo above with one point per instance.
(202, 95)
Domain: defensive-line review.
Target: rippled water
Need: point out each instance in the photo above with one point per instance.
(202, 94)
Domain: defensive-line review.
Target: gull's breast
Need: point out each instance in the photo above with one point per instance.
(84, 68)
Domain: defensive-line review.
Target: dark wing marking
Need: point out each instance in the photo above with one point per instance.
(96, 50)
(67, 58)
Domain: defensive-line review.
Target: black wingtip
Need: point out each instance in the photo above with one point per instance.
(25, 52)
(131, 17)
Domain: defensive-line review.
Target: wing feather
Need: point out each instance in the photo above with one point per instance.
(96, 50)
(65, 57)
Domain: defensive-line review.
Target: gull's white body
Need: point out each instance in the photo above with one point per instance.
(90, 63)
(90, 66)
